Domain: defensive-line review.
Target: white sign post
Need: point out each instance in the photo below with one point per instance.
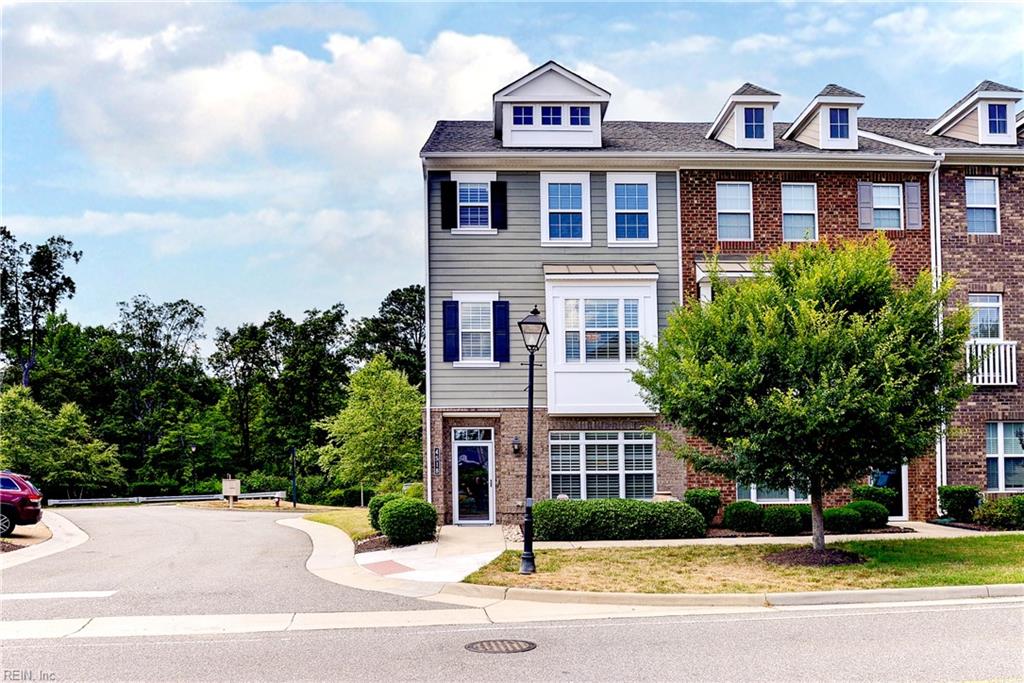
(231, 489)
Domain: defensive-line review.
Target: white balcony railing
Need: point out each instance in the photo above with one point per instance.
(994, 363)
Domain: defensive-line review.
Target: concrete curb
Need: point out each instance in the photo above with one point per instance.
(65, 535)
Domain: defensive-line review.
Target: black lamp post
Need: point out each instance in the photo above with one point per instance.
(534, 331)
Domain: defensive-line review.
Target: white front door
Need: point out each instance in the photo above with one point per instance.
(473, 475)
(896, 479)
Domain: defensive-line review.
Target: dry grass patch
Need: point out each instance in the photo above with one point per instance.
(353, 521)
(742, 569)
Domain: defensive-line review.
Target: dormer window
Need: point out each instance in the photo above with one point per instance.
(753, 123)
(522, 115)
(997, 119)
(839, 123)
(550, 116)
(579, 116)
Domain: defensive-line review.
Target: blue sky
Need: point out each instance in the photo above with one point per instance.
(253, 157)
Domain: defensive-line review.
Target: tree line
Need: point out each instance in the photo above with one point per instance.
(134, 407)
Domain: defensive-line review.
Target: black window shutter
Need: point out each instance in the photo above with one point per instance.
(449, 204)
(450, 318)
(499, 205)
(500, 325)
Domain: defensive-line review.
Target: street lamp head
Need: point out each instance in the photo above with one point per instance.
(192, 447)
(534, 330)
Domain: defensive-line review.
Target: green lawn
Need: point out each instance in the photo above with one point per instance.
(353, 521)
(741, 569)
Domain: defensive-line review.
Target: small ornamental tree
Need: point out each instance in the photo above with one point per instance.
(812, 373)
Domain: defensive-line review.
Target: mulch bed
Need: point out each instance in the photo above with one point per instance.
(808, 557)
(971, 526)
(6, 547)
(368, 545)
(719, 532)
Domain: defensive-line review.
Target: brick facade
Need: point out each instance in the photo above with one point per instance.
(983, 264)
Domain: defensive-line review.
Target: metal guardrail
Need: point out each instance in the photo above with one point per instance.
(163, 499)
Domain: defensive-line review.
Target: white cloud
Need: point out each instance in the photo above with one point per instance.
(621, 27)
(760, 42)
(659, 51)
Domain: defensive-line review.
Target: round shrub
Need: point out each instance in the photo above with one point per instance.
(781, 520)
(557, 520)
(872, 515)
(743, 515)
(376, 503)
(673, 519)
(843, 520)
(406, 521)
(804, 511)
(415, 491)
(1001, 513)
(959, 502)
(706, 501)
(335, 497)
(882, 495)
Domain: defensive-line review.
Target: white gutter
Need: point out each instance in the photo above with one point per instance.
(426, 312)
(767, 155)
(936, 259)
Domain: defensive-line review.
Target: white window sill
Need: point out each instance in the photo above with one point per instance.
(1013, 491)
(476, 364)
(735, 239)
(475, 231)
(788, 241)
(976, 232)
(565, 243)
(632, 243)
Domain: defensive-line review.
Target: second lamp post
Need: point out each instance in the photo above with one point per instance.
(534, 331)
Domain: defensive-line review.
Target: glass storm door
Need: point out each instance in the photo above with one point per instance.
(896, 480)
(473, 483)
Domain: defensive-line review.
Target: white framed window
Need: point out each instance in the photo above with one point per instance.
(474, 198)
(579, 115)
(982, 206)
(1004, 456)
(565, 209)
(997, 119)
(839, 123)
(735, 210)
(522, 115)
(753, 123)
(551, 115)
(986, 316)
(766, 495)
(476, 328)
(608, 331)
(632, 209)
(799, 212)
(887, 206)
(599, 464)
(995, 123)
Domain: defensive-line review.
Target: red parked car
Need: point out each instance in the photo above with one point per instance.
(20, 502)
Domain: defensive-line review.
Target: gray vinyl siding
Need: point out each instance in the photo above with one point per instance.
(511, 263)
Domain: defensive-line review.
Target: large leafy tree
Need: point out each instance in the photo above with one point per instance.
(33, 281)
(377, 435)
(398, 331)
(812, 373)
(243, 361)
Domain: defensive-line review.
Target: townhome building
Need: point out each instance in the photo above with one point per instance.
(606, 226)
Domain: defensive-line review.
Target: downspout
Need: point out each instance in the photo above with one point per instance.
(426, 313)
(933, 209)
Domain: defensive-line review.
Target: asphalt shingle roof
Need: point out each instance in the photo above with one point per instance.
(751, 89)
(833, 90)
(915, 131)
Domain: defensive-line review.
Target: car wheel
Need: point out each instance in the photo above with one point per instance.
(6, 525)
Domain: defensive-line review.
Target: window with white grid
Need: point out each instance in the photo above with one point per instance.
(799, 212)
(1004, 448)
(887, 201)
(986, 315)
(982, 206)
(475, 330)
(599, 464)
(735, 211)
(608, 331)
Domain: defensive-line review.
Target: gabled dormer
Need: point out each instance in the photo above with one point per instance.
(550, 107)
(829, 121)
(984, 115)
(746, 121)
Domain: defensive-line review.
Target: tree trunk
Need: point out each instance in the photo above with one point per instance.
(817, 516)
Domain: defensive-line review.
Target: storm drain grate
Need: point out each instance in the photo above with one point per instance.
(501, 647)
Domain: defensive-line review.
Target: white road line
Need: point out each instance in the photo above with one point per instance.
(55, 596)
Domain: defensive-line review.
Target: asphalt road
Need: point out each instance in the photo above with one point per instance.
(171, 560)
(921, 643)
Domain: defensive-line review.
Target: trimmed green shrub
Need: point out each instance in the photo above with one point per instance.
(743, 515)
(883, 495)
(843, 520)
(376, 503)
(354, 497)
(335, 497)
(615, 519)
(707, 502)
(959, 502)
(872, 515)
(1001, 513)
(804, 510)
(781, 520)
(406, 521)
(416, 491)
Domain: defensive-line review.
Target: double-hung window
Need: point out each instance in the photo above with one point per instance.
(735, 211)
(607, 331)
(632, 212)
(602, 464)
(982, 206)
(475, 331)
(887, 205)
(522, 115)
(565, 209)
(997, 124)
(551, 115)
(1004, 450)
(579, 116)
(753, 123)
(839, 123)
(986, 316)
(799, 212)
(765, 494)
(473, 195)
